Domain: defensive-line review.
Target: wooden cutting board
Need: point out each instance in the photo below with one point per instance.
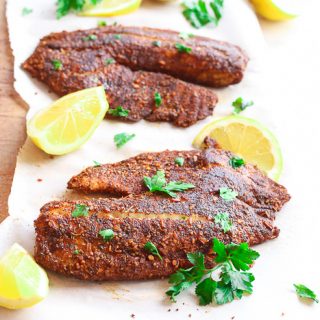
(12, 117)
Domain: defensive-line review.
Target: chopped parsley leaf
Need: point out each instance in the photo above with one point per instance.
(227, 194)
(185, 35)
(200, 13)
(179, 161)
(109, 61)
(157, 99)
(76, 252)
(90, 37)
(224, 221)
(117, 36)
(80, 210)
(304, 292)
(240, 105)
(236, 162)
(26, 11)
(158, 183)
(96, 164)
(102, 23)
(156, 43)
(121, 139)
(182, 48)
(106, 234)
(119, 112)
(227, 281)
(65, 6)
(57, 64)
(150, 247)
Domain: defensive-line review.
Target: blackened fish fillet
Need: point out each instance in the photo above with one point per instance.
(210, 62)
(175, 226)
(183, 103)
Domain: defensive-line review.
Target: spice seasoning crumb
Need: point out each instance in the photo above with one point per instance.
(133, 316)
(177, 309)
(169, 310)
(189, 315)
(39, 180)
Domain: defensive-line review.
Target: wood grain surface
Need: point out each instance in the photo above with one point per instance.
(12, 116)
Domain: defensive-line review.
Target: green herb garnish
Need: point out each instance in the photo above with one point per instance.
(57, 64)
(90, 37)
(121, 139)
(80, 210)
(102, 23)
(158, 183)
(109, 61)
(236, 162)
(200, 13)
(25, 11)
(96, 164)
(224, 221)
(185, 35)
(157, 99)
(227, 194)
(156, 43)
(106, 234)
(65, 6)
(179, 161)
(150, 247)
(119, 112)
(76, 252)
(117, 36)
(232, 280)
(240, 105)
(304, 292)
(182, 48)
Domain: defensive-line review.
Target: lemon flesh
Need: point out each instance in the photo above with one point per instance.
(110, 8)
(22, 282)
(69, 122)
(276, 10)
(248, 139)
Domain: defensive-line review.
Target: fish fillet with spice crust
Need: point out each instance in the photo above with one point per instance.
(175, 226)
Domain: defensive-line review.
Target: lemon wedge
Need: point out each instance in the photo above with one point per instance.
(22, 282)
(248, 139)
(107, 8)
(277, 10)
(69, 122)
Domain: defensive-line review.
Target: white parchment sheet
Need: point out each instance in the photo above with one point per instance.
(291, 258)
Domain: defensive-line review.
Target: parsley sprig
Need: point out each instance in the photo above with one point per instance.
(119, 112)
(121, 139)
(80, 210)
(240, 105)
(65, 6)
(150, 247)
(236, 162)
(224, 221)
(227, 281)
(158, 183)
(304, 292)
(227, 194)
(202, 12)
(182, 48)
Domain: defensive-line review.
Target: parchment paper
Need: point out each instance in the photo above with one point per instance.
(283, 261)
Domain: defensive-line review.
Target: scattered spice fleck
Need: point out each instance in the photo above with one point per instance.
(133, 316)
(177, 309)
(39, 180)
(169, 310)
(189, 315)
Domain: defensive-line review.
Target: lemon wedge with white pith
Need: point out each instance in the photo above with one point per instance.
(22, 282)
(277, 10)
(107, 8)
(248, 139)
(69, 122)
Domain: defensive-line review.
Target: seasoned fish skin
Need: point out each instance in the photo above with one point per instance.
(183, 103)
(176, 226)
(211, 63)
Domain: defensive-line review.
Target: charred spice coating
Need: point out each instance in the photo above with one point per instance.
(175, 226)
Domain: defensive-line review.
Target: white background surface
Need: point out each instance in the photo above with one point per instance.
(282, 79)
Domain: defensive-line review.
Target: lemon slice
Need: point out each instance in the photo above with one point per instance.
(110, 8)
(69, 122)
(277, 10)
(22, 282)
(248, 139)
